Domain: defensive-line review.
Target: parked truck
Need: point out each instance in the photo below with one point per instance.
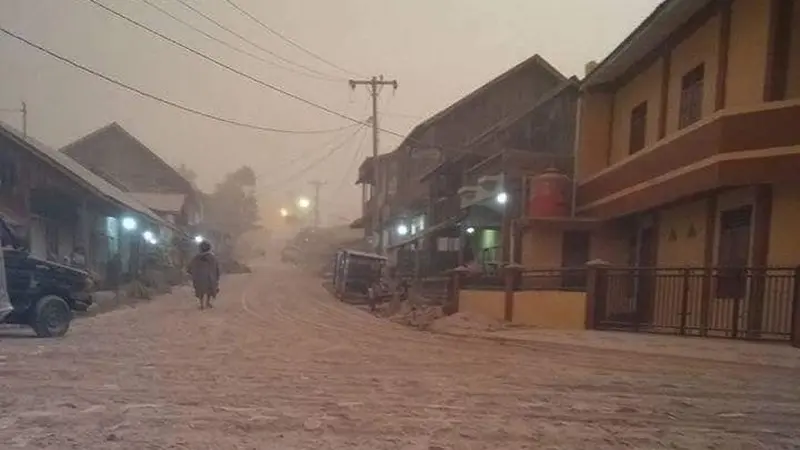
(39, 293)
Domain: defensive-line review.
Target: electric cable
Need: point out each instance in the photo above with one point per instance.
(291, 42)
(156, 98)
(231, 46)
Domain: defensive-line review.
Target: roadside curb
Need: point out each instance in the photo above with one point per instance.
(534, 345)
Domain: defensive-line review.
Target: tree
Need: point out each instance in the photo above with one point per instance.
(233, 207)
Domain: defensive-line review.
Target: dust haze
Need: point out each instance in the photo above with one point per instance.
(438, 51)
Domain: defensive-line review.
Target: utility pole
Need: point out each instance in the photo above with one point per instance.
(24, 112)
(374, 86)
(317, 185)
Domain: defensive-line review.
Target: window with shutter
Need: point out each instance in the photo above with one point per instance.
(691, 108)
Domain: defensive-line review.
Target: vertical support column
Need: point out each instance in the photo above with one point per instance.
(457, 276)
(762, 223)
(722, 55)
(511, 274)
(596, 292)
(778, 50)
(684, 300)
(5, 301)
(509, 212)
(663, 112)
(85, 235)
(708, 262)
(796, 309)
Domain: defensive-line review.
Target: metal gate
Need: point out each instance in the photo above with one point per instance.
(738, 303)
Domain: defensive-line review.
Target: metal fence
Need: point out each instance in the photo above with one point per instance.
(435, 289)
(747, 303)
(486, 281)
(560, 279)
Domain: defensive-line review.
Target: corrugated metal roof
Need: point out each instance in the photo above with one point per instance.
(80, 174)
(171, 203)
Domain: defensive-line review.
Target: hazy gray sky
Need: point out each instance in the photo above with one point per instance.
(438, 50)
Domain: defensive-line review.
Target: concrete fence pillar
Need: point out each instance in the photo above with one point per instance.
(511, 274)
(457, 277)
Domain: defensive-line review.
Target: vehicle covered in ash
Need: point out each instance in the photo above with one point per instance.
(367, 275)
(41, 294)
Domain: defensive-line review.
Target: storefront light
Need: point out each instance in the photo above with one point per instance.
(150, 238)
(502, 198)
(129, 224)
(402, 229)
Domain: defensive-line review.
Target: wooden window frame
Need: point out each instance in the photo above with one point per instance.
(637, 136)
(692, 94)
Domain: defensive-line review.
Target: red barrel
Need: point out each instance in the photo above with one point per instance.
(549, 194)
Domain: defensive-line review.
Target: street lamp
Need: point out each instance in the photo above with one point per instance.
(284, 212)
(470, 230)
(303, 203)
(198, 239)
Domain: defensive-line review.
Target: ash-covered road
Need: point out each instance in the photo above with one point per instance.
(278, 364)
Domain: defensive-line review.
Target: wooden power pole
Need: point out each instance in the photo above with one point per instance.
(317, 185)
(375, 85)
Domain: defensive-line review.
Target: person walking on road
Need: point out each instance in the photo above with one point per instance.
(204, 269)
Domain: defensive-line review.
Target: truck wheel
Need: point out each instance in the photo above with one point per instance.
(52, 317)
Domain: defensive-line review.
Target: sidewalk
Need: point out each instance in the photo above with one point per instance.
(712, 349)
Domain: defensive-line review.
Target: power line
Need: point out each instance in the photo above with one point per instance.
(258, 81)
(286, 39)
(249, 77)
(356, 156)
(231, 69)
(245, 39)
(302, 156)
(318, 161)
(402, 115)
(156, 98)
(233, 47)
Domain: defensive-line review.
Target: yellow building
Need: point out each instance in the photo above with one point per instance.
(688, 156)
(690, 132)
